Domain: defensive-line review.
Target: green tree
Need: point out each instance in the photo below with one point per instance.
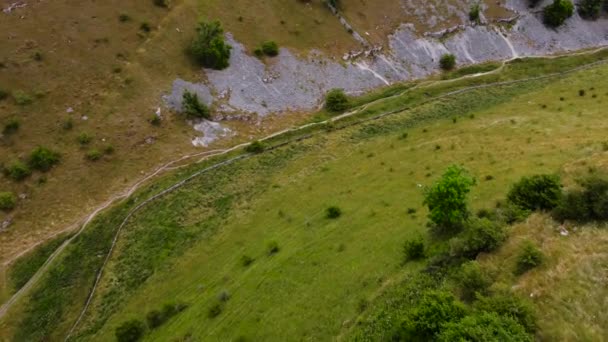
(193, 108)
(447, 61)
(556, 14)
(435, 309)
(336, 101)
(538, 192)
(209, 48)
(472, 280)
(447, 199)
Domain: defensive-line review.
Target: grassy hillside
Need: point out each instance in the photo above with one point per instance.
(248, 247)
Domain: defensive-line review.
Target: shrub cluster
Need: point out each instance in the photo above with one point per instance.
(585, 204)
(590, 9)
(255, 147)
(11, 126)
(447, 61)
(336, 101)
(528, 258)
(479, 235)
(538, 192)
(130, 331)
(8, 201)
(43, 159)
(156, 318)
(414, 249)
(17, 171)
(209, 48)
(474, 12)
(472, 280)
(193, 108)
(556, 14)
(268, 48)
(333, 212)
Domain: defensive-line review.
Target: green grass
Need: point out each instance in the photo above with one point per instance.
(470, 70)
(188, 245)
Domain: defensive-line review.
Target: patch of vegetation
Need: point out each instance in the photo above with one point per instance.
(470, 70)
(414, 249)
(270, 48)
(11, 126)
(256, 147)
(336, 101)
(333, 212)
(156, 318)
(8, 201)
(508, 304)
(479, 235)
(3, 94)
(246, 260)
(472, 281)
(209, 48)
(447, 61)
(17, 171)
(193, 108)
(446, 200)
(93, 155)
(528, 258)
(123, 18)
(84, 138)
(474, 12)
(272, 248)
(130, 331)
(590, 9)
(556, 14)
(538, 192)
(484, 326)
(22, 98)
(43, 159)
(161, 3)
(586, 204)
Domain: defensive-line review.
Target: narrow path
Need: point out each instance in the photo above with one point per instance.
(209, 154)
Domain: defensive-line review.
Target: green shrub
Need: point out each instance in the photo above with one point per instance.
(155, 120)
(145, 26)
(11, 126)
(93, 155)
(556, 14)
(528, 258)
(255, 147)
(84, 139)
(43, 159)
(538, 192)
(508, 304)
(68, 124)
(533, 3)
(214, 311)
(479, 235)
(435, 309)
(208, 47)
(272, 248)
(161, 3)
(446, 200)
(474, 12)
(17, 171)
(246, 260)
(472, 280)
(336, 101)
(270, 48)
(193, 108)
(590, 9)
(589, 203)
(484, 326)
(414, 249)
(123, 18)
(333, 212)
(109, 149)
(3, 94)
(510, 213)
(447, 61)
(8, 201)
(156, 318)
(130, 331)
(258, 52)
(22, 99)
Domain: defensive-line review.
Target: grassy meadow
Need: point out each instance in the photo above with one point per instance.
(209, 244)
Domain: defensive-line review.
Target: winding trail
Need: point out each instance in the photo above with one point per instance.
(202, 156)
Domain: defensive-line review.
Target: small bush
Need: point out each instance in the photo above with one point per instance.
(272, 248)
(84, 139)
(528, 258)
(68, 124)
(333, 212)
(510, 213)
(472, 280)
(556, 14)
(414, 249)
(123, 18)
(246, 260)
(11, 126)
(484, 326)
(156, 318)
(590, 9)
(581, 92)
(130, 331)
(479, 235)
(336, 101)
(447, 61)
(589, 203)
(93, 155)
(223, 296)
(270, 48)
(208, 47)
(109, 149)
(43, 159)
(255, 147)
(510, 305)
(161, 3)
(22, 99)
(17, 171)
(8, 201)
(539, 192)
(214, 311)
(474, 12)
(258, 52)
(193, 108)
(3, 94)
(155, 120)
(145, 26)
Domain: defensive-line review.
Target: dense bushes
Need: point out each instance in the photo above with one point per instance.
(209, 48)
(556, 14)
(156, 318)
(333, 212)
(270, 48)
(193, 108)
(414, 249)
(447, 61)
(8, 201)
(130, 331)
(508, 304)
(11, 126)
(255, 147)
(590, 9)
(472, 280)
(336, 101)
(484, 326)
(43, 159)
(17, 171)
(528, 258)
(479, 235)
(586, 204)
(446, 200)
(538, 192)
